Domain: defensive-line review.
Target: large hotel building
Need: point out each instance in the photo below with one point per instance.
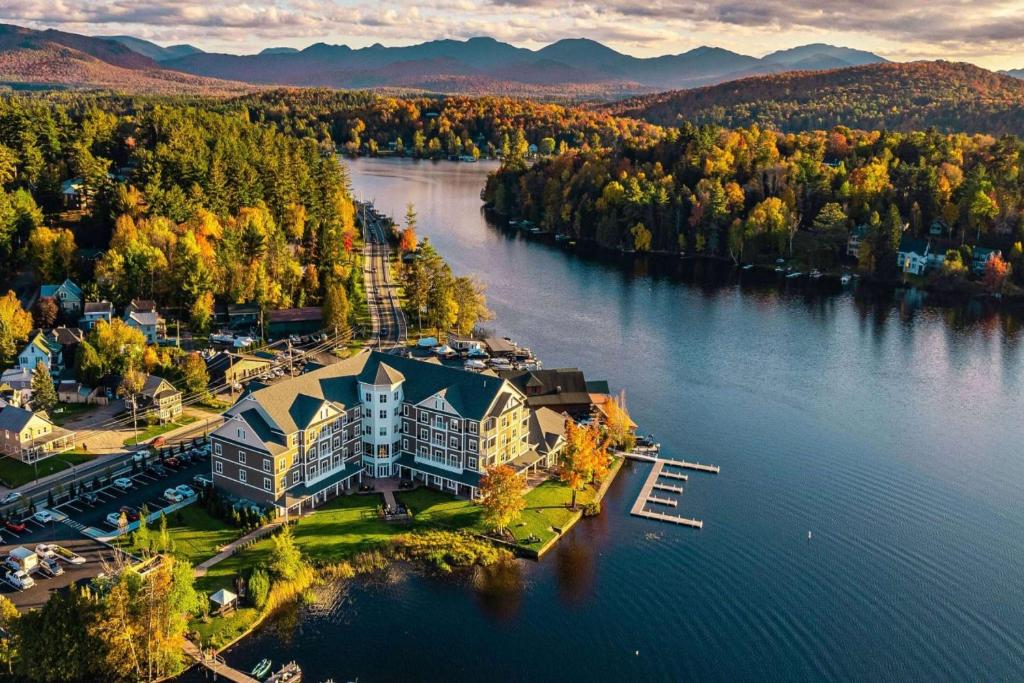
(296, 443)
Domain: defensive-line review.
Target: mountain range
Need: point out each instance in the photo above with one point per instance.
(567, 69)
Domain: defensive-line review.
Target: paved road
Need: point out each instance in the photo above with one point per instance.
(386, 315)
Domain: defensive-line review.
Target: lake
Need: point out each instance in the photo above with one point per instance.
(889, 429)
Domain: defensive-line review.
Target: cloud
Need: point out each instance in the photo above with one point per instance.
(984, 29)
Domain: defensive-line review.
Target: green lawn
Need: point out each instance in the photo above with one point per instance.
(197, 535)
(342, 528)
(434, 509)
(65, 412)
(222, 630)
(153, 431)
(14, 473)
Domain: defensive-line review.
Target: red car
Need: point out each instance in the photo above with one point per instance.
(172, 462)
(130, 513)
(16, 527)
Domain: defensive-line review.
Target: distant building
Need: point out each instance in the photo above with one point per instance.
(95, 311)
(286, 321)
(916, 256)
(31, 437)
(229, 368)
(564, 390)
(547, 434)
(42, 349)
(146, 322)
(980, 256)
(17, 386)
(67, 294)
(72, 192)
(856, 238)
(237, 316)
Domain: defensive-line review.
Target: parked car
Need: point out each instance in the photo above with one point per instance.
(173, 462)
(139, 456)
(16, 527)
(11, 497)
(50, 566)
(123, 483)
(201, 481)
(172, 496)
(160, 470)
(19, 580)
(131, 513)
(113, 519)
(44, 517)
(185, 490)
(158, 441)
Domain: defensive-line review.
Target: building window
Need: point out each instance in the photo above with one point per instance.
(216, 448)
(405, 444)
(424, 418)
(266, 483)
(452, 486)
(455, 425)
(383, 413)
(369, 397)
(471, 463)
(241, 476)
(405, 409)
(295, 477)
(218, 467)
(453, 441)
(383, 431)
(383, 398)
(266, 465)
(241, 457)
(284, 482)
(439, 422)
(311, 472)
(472, 445)
(396, 395)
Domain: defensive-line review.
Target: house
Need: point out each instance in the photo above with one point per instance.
(73, 391)
(31, 437)
(547, 434)
(237, 316)
(146, 322)
(853, 242)
(140, 306)
(286, 321)
(462, 343)
(499, 347)
(68, 338)
(95, 311)
(564, 390)
(72, 192)
(226, 368)
(159, 399)
(17, 386)
(305, 439)
(67, 294)
(938, 228)
(42, 349)
(980, 256)
(917, 257)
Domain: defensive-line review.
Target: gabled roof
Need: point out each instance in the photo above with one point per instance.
(15, 419)
(69, 286)
(98, 307)
(157, 386)
(141, 305)
(44, 344)
(143, 318)
(546, 428)
(911, 245)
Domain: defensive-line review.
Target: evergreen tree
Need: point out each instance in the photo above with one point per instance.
(44, 394)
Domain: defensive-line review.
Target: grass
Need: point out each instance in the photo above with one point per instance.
(15, 473)
(156, 430)
(198, 535)
(69, 411)
(220, 631)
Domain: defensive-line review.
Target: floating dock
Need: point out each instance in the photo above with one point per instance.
(639, 507)
(663, 501)
(674, 475)
(668, 487)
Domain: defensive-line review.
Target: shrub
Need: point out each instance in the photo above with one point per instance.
(259, 587)
(592, 509)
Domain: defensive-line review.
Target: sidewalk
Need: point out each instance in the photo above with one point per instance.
(230, 549)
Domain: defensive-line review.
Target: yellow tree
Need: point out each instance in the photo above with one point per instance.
(502, 490)
(618, 423)
(15, 324)
(583, 457)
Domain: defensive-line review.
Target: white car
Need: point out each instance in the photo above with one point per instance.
(123, 483)
(50, 566)
(185, 490)
(114, 519)
(139, 456)
(44, 517)
(172, 496)
(11, 497)
(19, 579)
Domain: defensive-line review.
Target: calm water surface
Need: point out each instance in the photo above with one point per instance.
(890, 430)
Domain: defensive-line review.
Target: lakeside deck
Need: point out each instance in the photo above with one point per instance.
(215, 663)
(650, 457)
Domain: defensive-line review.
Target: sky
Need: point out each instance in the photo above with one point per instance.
(989, 33)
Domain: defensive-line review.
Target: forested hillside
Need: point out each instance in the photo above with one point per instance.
(914, 96)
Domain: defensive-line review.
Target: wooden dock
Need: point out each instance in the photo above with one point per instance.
(668, 487)
(215, 663)
(640, 506)
(647, 457)
(663, 501)
(674, 475)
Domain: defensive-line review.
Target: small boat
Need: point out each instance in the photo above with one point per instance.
(779, 269)
(260, 671)
(474, 364)
(815, 274)
(795, 274)
(845, 279)
(748, 266)
(290, 673)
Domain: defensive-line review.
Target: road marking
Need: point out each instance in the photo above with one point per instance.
(77, 526)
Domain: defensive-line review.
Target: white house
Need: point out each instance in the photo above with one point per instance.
(67, 294)
(95, 311)
(916, 256)
(41, 349)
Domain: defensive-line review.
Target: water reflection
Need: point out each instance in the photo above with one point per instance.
(574, 570)
(499, 589)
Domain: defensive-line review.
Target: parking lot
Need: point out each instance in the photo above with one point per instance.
(75, 516)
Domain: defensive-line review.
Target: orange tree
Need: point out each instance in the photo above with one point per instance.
(502, 489)
(584, 459)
